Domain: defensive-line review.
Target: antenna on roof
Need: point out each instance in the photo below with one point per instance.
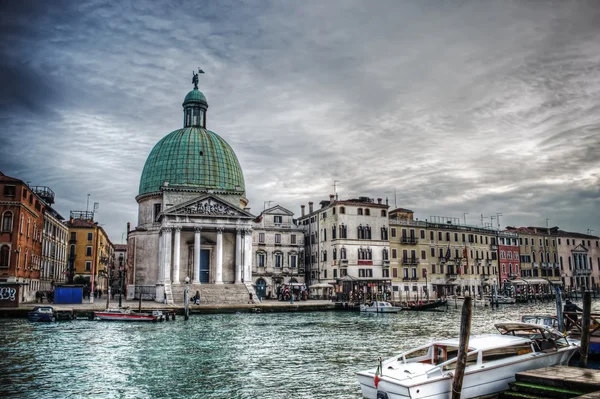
(335, 188)
(267, 203)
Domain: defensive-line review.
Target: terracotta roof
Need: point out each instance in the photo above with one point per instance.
(80, 223)
(120, 247)
(401, 210)
(3, 177)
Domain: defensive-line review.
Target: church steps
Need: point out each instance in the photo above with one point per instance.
(212, 294)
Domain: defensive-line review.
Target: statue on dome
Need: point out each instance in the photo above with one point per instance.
(195, 78)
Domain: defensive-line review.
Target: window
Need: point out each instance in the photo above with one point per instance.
(423, 254)
(439, 236)
(384, 233)
(433, 252)
(4, 256)
(367, 212)
(342, 210)
(334, 271)
(343, 253)
(324, 234)
(394, 253)
(293, 260)
(423, 234)
(277, 219)
(334, 253)
(28, 226)
(393, 232)
(333, 211)
(384, 254)
(260, 256)
(7, 221)
(343, 231)
(324, 256)
(278, 258)
(324, 215)
(90, 236)
(293, 239)
(156, 212)
(261, 238)
(88, 266)
(10, 191)
(359, 211)
(383, 213)
(333, 233)
(88, 251)
(277, 238)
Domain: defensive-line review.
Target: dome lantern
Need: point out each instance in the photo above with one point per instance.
(195, 105)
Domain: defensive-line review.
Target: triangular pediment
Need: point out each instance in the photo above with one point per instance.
(580, 248)
(208, 206)
(278, 210)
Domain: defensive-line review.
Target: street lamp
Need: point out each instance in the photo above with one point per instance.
(120, 285)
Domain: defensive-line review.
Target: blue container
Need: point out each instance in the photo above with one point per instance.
(68, 294)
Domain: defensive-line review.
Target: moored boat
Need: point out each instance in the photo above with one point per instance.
(42, 313)
(380, 307)
(126, 315)
(492, 362)
(427, 305)
(502, 300)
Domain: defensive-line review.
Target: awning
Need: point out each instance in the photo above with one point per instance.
(528, 281)
(320, 285)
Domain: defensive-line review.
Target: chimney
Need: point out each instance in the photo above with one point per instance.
(331, 197)
(379, 201)
(386, 201)
(128, 227)
(302, 207)
(310, 207)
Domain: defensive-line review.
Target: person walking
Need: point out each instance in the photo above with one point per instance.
(570, 312)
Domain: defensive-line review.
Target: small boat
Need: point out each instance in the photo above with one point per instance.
(477, 302)
(127, 315)
(427, 305)
(502, 300)
(492, 362)
(42, 313)
(380, 307)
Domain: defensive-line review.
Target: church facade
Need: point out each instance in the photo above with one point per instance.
(193, 224)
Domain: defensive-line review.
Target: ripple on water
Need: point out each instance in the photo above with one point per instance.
(264, 355)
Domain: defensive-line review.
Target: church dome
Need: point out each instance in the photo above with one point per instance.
(193, 157)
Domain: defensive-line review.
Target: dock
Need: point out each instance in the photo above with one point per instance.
(555, 382)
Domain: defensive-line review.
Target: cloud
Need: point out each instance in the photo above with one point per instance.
(444, 108)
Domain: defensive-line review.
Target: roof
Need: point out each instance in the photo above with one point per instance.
(81, 223)
(120, 247)
(195, 96)
(401, 210)
(192, 157)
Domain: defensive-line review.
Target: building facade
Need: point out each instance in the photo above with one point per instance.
(22, 222)
(53, 269)
(579, 259)
(278, 247)
(90, 252)
(346, 238)
(508, 256)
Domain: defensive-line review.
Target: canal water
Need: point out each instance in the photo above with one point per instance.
(265, 355)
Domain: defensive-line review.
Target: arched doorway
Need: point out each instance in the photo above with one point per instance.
(261, 288)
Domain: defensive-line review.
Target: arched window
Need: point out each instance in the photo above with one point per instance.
(7, 221)
(342, 210)
(334, 253)
(278, 258)
(25, 259)
(21, 225)
(367, 212)
(4, 256)
(359, 211)
(343, 253)
(28, 226)
(383, 213)
(385, 254)
(260, 258)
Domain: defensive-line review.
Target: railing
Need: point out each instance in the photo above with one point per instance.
(409, 240)
(536, 265)
(343, 262)
(410, 261)
(493, 247)
(386, 263)
(583, 272)
(451, 276)
(414, 278)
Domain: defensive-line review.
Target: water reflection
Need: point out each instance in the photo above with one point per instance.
(304, 355)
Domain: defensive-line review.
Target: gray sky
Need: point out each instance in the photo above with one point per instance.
(454, 106)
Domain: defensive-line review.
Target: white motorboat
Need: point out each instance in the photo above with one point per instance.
(460, 300)
(492, 362)
(380, 307)
(502, 300)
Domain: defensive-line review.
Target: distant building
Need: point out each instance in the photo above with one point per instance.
(508, 256)
(278, 246)
(347, 238)
(90, 251)
(54, 250)
(22, 222)
(119, 272)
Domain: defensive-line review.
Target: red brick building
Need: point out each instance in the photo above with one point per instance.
(21, 227)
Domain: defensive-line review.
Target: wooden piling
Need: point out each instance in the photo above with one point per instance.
(585, 329)
(461, 361)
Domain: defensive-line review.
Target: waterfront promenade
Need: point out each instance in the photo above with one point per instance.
(266, 306)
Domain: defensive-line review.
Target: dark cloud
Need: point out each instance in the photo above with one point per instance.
(450, 107)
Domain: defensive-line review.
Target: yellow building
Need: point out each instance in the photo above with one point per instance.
(440, 257)
(90, 251)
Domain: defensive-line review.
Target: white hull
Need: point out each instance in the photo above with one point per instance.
(380, 307)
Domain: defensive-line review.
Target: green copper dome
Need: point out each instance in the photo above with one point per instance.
(192, 157)
(195, 96)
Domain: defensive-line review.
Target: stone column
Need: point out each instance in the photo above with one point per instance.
(167, 250)
(161, 268)
(238, 256)
(176, 255)
(196, 279)
(248, 256)
(219, 271)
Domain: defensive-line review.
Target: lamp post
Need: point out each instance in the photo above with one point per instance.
(291, 286)
(120, 285)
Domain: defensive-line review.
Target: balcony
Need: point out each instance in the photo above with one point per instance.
(414, 278)
(536, 265)
(544, 265)
(451, 276)
(512, 275)
(410, 261)
(343, 262)
(409, 240)
(442, 259)
(493, 247)
(583, 272)
(386, 263)
(406, 279)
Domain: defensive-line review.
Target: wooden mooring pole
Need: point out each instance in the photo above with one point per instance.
(461, 361)
(585, 329)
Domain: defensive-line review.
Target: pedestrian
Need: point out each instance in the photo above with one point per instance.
(250, 300)
(570, 312)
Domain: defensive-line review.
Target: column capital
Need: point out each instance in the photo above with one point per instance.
(220, 229)
(197, 229)
(248, 231)
(177, 229)
(167, 229)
